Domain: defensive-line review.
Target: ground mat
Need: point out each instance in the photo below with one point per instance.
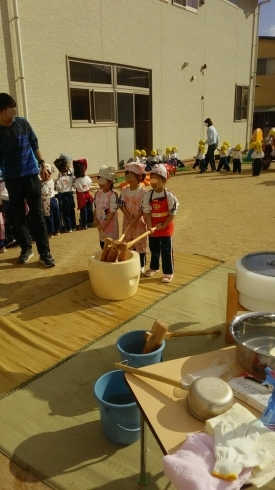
(38, 337)
(51, 427)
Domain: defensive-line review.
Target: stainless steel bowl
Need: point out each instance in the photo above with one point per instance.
(209, 397)
(254, 335)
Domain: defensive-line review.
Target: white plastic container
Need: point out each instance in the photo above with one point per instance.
(255, 281)
(114, 280)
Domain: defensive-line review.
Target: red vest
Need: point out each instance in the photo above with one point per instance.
(159, 213)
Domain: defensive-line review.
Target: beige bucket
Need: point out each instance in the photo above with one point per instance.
(114, 280)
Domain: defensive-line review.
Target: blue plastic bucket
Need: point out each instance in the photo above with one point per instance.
(131, 344)
(120, 416)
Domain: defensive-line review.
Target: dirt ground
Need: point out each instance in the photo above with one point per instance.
(221, 215)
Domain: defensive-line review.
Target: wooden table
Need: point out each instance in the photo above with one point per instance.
(163, 407)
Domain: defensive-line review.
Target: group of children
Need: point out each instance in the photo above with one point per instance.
(170, 157)
(226, 153)
(153, 210)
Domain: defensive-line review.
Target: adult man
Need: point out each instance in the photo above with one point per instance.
(19, 153)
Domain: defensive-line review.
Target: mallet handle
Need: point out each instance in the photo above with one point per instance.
(147, 374)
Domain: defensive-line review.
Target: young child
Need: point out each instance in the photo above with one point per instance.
(197, 162)
(2, 232)
(82, 184)
(143, 156)
(137, 156)
(223, 163)
(174, 159)
(229, 151)
(64, 186)
(106, 204)
(50, 206)
(167, 156)
(130, 202)
(201, 158)
(237, 159)
(257, 158)
(160, 207)
(8, 221)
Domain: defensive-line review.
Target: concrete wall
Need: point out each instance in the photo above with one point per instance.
(147, 34)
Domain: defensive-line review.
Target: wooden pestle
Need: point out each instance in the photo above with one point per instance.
(187, 333)
(106, 249)
(147, 374)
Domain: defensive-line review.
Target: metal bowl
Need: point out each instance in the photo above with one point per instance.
(254, 335)
(209, 397)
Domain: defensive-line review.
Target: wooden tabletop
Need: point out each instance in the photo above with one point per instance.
(164, 407)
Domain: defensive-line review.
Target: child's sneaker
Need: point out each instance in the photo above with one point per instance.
(25, 256)
(150, 272)
(142, 270)
(3, 250)
(167, 278)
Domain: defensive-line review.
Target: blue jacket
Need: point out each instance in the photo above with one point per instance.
(17, 145)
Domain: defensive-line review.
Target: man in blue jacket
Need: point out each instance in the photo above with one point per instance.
(19, 154)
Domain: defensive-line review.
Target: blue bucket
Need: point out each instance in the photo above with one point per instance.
(120, 416)
(131, 344)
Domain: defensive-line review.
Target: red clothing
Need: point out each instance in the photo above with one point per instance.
(159, 213)
(83, 198)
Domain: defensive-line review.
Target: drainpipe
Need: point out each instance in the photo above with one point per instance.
(20, 59)
(253, 73)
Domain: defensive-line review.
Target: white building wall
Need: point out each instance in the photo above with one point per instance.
(147, 34)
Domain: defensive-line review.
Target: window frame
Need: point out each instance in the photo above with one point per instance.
(241, 106)
(186, 7)
(266, 67)
(101, 87)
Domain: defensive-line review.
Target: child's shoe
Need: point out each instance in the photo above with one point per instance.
(150, 272)
(142, 270)
(167, 278)
(3, 250)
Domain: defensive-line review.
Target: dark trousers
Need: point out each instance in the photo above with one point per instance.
(53, 221)
(161, 246)
(223, 163)
(237, 166)
(257, 165)
(196, 164)
(86, 214)
(28, 188)
(209, 157)
(66, 206)
(202, 165)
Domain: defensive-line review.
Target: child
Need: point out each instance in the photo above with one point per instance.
(10, 240)
(82, 185)
(223, 163)
(229, 151)
(237, 159)
(136, 156)
(106, 204)
(130, 204)
(159, 207)
(257, 158)
(197, 162)
(2, 232)
(64, 186)
(50, 206)
(167, 157)
(201, 158)
(143, 156)
(174, 159)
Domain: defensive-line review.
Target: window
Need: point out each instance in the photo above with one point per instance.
(266, 66)
(93, 90)
(188, 4)
(241, 100)
(80, 105)
(90, 73)
(104, 106)
(132, 78)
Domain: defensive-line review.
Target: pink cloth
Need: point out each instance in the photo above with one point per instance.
(191, 466)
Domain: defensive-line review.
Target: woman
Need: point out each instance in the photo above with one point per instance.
(212, 142)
